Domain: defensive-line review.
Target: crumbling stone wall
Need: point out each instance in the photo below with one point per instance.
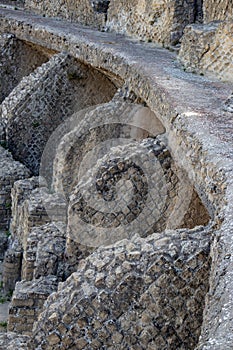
(215, 10)
(113, 120)
(44, 252)
(19, 193)
(101, 169)
(207, 49)
(139, 293)
(17, 60)
(3, 244)
(29, 211)
(27, 302)
(12, 341)
(12, 266)
(86, 12)
(43, 267)
(10, 172)
(44, 99)
(153, 20)
(188, 112)
(144, 211)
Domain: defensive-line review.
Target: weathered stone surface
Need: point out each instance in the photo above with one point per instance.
(140, 292)
(44, 252)
(12, 265)
(19, 193)
(132, 187)
(199, 134)
(86, 12)
(44, 99)
(27, 302)
(207, 49)
(32, 207)
(214, 10)
(228, 104)
(147, 20)
(18, 59)
(4, 304)
(10, 172)
(3, 244)
(151, 20)
(102, 125)
(12, 341)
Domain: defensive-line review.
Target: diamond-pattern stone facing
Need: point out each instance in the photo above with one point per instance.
(143, 293)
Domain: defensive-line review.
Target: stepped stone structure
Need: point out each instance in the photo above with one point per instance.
(117, 174)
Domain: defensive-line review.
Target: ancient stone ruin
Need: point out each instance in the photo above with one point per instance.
(116, 175)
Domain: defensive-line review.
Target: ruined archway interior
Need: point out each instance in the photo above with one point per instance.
(112, 216)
